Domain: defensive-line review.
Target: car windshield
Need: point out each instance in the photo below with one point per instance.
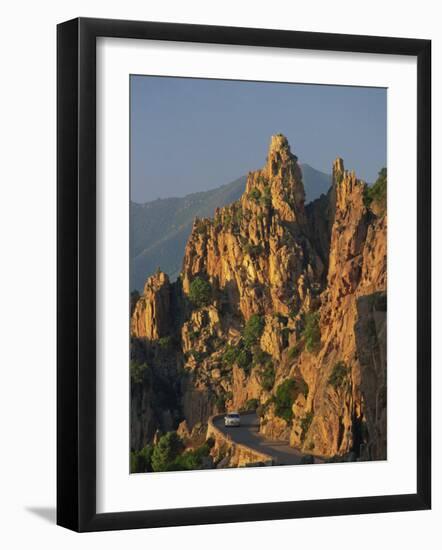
(233, 415)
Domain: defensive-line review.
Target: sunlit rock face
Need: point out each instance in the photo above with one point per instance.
(256, 250)
(311, 282)
(151, 316)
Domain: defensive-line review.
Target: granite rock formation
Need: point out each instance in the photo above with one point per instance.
(279, 307)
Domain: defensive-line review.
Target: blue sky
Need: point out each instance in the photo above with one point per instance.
(191, 135)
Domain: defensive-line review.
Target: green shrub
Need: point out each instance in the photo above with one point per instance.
(200, 227)
(285, 396)
(166, 342)
(197, 355)
(255, 194)
(200, 292)
(141, 461)
(266, 375)
(244, 360)
(186, 461)
(284, 399)
(190, 460)
(338, 375)
(260, 357)
(240, 355)
(251, 405)
(166, 451)
(253, 330)
(168, 455)
(378, 191)
(138, 372)
(230, 355)
(311, 332)
(193, 334)
(293, 312)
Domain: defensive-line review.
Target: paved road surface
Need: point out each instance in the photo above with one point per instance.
(248, 434)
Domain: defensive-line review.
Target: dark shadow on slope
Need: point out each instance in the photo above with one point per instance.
(370, 430)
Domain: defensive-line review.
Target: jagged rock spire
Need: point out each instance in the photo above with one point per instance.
(151, 316)
(256, 249)
(338, 170)
(278, 183)
(285, 180)
(279, 155)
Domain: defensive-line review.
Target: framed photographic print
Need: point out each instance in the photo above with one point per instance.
(243, 274)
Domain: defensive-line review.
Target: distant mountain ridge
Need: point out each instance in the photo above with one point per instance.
(159, 229)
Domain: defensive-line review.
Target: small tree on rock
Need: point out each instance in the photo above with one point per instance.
(200, 292)
(168, 448)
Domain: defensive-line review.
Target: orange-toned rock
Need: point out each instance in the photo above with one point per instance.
(315, 277)
(151, 316)
(256, 251)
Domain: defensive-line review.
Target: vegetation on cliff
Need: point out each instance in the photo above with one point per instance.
(200, 292)
(311, 331)
(169, 454)
(278, 308)
(377, 193)
(285, 396)
(338, 375)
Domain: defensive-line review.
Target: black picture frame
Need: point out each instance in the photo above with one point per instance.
(76, 274)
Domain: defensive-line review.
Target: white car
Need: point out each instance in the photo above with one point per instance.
(232, 419)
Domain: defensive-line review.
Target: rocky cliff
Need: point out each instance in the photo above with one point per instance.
(256, 250)
(279, 307)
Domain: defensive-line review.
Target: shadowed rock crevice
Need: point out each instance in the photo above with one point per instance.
(371, 342)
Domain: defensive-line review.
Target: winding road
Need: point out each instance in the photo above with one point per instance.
(248, 434)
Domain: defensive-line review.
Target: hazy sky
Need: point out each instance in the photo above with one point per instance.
(192, 135)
